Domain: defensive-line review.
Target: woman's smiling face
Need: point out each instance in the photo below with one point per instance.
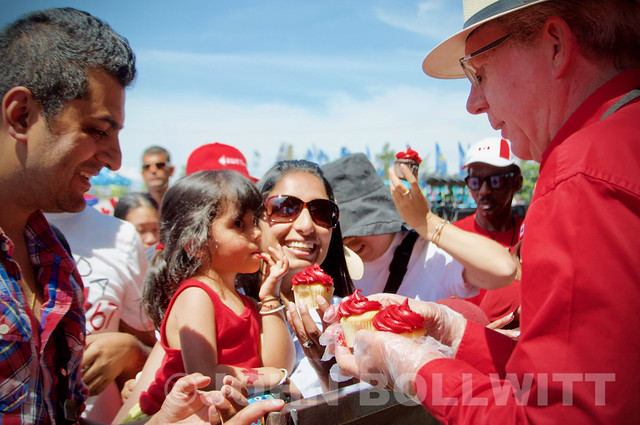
(303, 241)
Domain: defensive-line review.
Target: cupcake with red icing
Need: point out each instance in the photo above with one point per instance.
(311, 282)
(410, 158)
(356, 313)
(400, 319)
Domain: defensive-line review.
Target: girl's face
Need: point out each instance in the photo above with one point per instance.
(146, 221)
(303, 241)
(234, 243)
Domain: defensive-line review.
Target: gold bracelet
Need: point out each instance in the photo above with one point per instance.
(435, 238)
(261, 303)
(272, 310)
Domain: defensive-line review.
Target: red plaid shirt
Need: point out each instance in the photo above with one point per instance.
(27, 349)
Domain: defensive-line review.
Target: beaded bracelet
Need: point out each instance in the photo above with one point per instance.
(435, 238)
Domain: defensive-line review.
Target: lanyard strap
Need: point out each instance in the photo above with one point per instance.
(398, 266)
(627, 98)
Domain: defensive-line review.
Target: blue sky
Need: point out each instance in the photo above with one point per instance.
(318, 75)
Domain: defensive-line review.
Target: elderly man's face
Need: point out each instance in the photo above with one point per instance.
(511, 90)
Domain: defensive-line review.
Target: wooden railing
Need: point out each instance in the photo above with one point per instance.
(355, 404)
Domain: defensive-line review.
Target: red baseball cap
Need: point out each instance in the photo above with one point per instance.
(218, 156)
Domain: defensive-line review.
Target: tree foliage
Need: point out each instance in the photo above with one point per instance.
(530, 171)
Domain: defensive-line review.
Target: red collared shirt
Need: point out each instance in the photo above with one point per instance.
(27, 366)
(577, 360)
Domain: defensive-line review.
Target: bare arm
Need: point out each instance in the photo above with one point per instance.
(193, 322)
(154, 360)
(486, 263)
(148, 338)
(279, 352)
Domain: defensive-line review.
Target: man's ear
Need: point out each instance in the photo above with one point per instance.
(561, 44)
(19, 112)
(172, 168)
(517, 184)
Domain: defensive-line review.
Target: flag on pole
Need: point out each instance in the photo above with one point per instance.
(441, 162)
(309, 156)
(322, 157)
(281, 153)
(461, 154)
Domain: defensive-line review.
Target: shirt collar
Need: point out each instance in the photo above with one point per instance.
(595, 106)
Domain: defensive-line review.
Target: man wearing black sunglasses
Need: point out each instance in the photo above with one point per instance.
(156, 171)
(494, 177)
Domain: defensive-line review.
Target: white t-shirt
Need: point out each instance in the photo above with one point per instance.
(111, 260)
(432, 274)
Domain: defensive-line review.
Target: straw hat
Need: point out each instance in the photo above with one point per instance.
(443, 60)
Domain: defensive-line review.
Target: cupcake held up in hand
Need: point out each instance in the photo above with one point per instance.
(400, 319)
(310, 283)
(356, 313)
(410, 158)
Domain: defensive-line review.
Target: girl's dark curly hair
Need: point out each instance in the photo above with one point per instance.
(188, 209)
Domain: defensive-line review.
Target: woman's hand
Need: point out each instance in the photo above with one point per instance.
(306, 329)
(410, 203)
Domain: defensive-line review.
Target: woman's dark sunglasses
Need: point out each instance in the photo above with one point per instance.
(496, 181)
(286, 208)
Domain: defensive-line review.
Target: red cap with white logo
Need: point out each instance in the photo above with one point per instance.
(218, 156)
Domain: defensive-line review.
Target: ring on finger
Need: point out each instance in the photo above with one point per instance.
(308, 343)
(406, 193)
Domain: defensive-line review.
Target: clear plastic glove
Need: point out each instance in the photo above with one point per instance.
(329, 339)
(442, 323)
(331, 333)
(389, 360)
(331, 314)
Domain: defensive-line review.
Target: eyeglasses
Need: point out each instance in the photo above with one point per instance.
(286, 208)
(158, 165)
(496, 181)
(469, 70)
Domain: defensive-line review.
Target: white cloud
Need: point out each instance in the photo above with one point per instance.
(432, 18)
(291, 62)
(398, 116)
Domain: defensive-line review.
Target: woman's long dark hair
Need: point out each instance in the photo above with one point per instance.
(334, 264)
(188, 208)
